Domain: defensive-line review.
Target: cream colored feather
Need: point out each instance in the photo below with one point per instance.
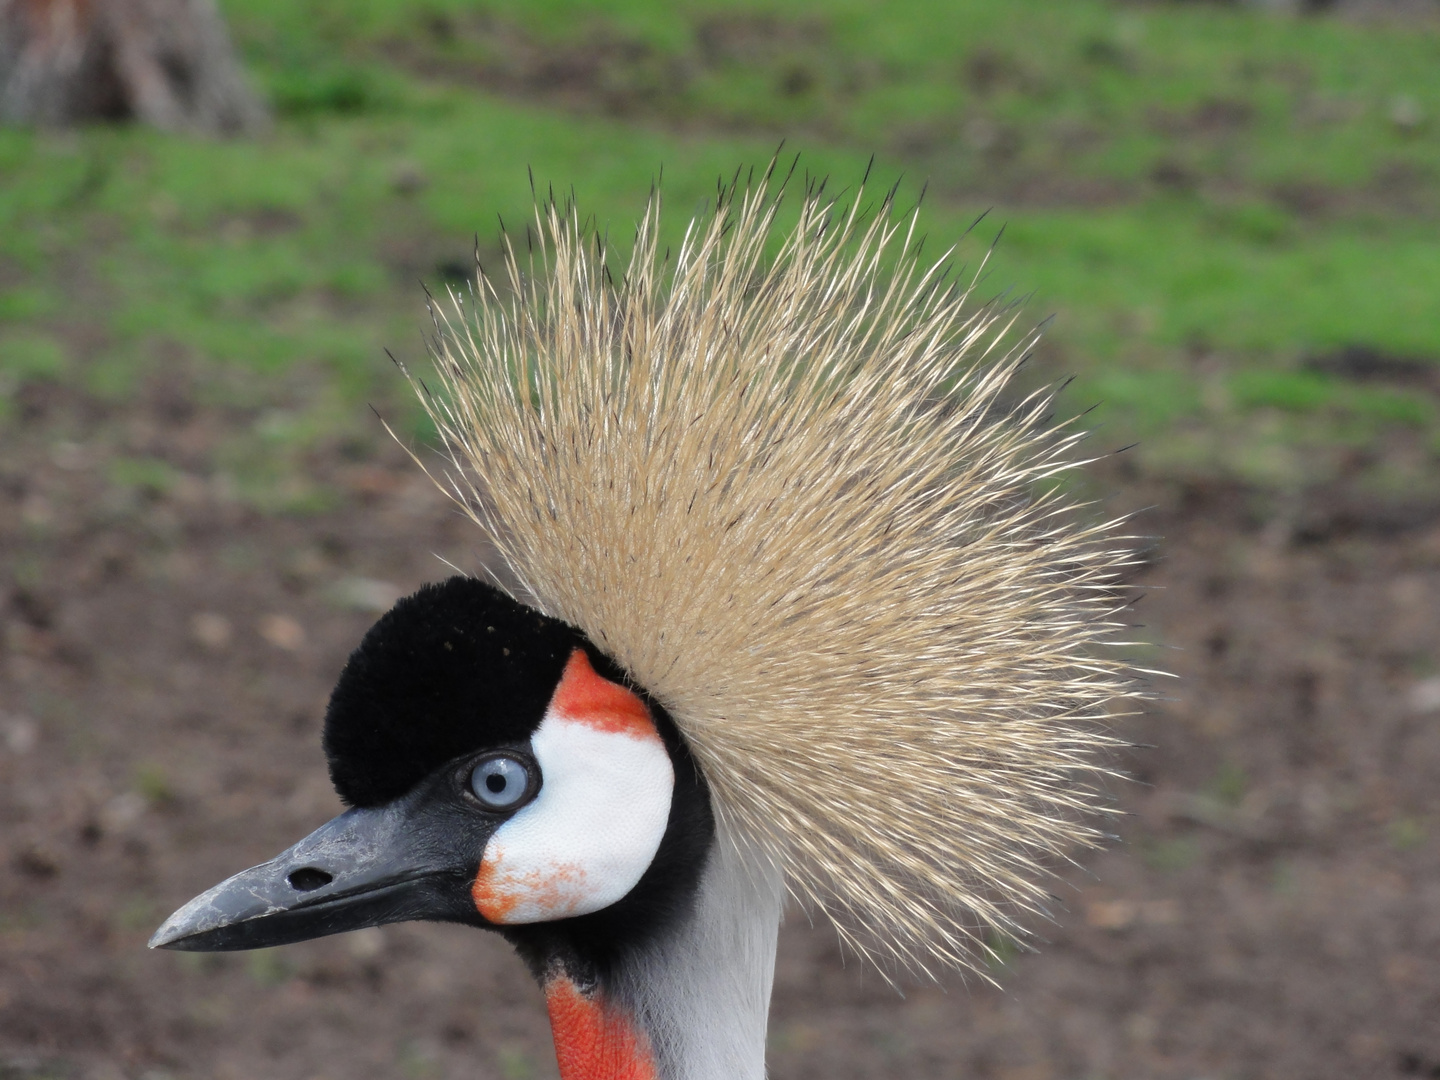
(787, 495)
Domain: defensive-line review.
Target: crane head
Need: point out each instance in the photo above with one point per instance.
(819, 620)
(815, 615)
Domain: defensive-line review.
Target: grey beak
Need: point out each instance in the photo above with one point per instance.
(366, 867)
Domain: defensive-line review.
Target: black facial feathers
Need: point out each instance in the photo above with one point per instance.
(460, 667)
(454, 668)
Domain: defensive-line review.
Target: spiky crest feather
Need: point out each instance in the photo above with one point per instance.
(785, 494)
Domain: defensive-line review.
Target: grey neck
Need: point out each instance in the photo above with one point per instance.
(702, 992)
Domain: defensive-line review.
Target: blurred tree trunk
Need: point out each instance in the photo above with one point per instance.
(164, 62)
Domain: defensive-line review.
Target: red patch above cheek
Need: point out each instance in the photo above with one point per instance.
(585, 697)
(593, 1040)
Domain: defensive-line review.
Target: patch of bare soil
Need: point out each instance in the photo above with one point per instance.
(1407, 11)
(606, 71)
(1273, 909)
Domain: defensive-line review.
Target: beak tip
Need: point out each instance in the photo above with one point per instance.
(166, 936)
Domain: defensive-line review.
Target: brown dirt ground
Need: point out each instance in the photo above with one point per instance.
(1272, 911)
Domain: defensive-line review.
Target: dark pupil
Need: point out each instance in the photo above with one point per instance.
(495, 783)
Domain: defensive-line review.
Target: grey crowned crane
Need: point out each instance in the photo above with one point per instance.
(799, 611)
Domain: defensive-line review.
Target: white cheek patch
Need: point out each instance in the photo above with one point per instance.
(592, 831)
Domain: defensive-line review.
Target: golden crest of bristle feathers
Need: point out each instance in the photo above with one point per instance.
(789, 494)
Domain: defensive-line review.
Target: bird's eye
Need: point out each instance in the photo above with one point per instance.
(501, 783)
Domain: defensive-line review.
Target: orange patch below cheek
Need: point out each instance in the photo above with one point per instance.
(593, 1040)
(493, 897)
(551, 893)
(587, 698)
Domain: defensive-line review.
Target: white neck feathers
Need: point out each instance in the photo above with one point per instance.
(702, 991)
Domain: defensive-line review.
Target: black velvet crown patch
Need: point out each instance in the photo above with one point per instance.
(455, 668)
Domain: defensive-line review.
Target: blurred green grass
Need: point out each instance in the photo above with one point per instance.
(1209, 198)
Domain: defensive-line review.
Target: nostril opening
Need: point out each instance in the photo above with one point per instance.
(309, 877)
